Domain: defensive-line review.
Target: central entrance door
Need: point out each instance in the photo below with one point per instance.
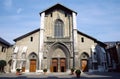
(54, 65)
(62, 65)
(33, 65)
(58, 65)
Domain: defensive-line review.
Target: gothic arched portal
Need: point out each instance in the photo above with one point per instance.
(59, 56)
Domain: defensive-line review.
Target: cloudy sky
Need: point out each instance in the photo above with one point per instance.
(97, 18)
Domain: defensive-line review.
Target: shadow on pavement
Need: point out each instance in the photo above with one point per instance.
(58, 78)
(97, 75)
(104, 75)
(52, 77)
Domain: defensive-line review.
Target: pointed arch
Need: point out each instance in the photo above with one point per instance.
(84, 55)
(59, 57)
(32, 55)
(60, 46)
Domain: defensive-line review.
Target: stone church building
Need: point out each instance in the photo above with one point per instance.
(58, 46)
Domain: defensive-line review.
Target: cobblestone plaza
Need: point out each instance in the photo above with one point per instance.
(87, 75)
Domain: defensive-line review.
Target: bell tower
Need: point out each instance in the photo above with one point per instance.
(41, 45)
(57, 26)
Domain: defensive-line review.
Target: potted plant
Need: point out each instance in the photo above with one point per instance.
(78, 72)
(72, 71)
(44, 70)
(18, 71)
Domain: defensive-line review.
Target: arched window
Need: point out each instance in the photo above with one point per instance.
(58, 30)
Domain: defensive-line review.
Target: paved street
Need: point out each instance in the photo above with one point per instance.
(88, 75)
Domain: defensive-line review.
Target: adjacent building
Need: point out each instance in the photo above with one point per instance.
(113, 49)
(5, 53)
(58, 45)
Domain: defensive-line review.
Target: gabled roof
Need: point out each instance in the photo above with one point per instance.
(58, 6)
(4, 42)
(101, 43)
(26, 34)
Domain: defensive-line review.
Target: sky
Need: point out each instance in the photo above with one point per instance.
(97, 18)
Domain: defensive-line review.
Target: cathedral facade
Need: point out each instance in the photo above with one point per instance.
(58, 46)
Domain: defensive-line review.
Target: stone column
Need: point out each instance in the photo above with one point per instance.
(75, 32)
(13, 69)
(27, 65)
(14, 57)
(74, 36)
(41, 40)
(59, 65)
(68, 64)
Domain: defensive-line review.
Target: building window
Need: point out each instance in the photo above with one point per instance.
(3, 49)
(58, 30)
(31, 39)
(51, 14)
(65, 14)
(95, 56)
(82, 39)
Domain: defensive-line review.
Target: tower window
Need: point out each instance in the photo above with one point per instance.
(58, 30)
(82, 39)
(31, 39)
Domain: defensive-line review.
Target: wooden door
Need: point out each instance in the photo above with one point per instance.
(23, 69)
(54, 65)
(62, 65)
(33, 65)
(23, 66)
(84, 65)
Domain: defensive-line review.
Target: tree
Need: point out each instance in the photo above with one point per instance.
(2, 65)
